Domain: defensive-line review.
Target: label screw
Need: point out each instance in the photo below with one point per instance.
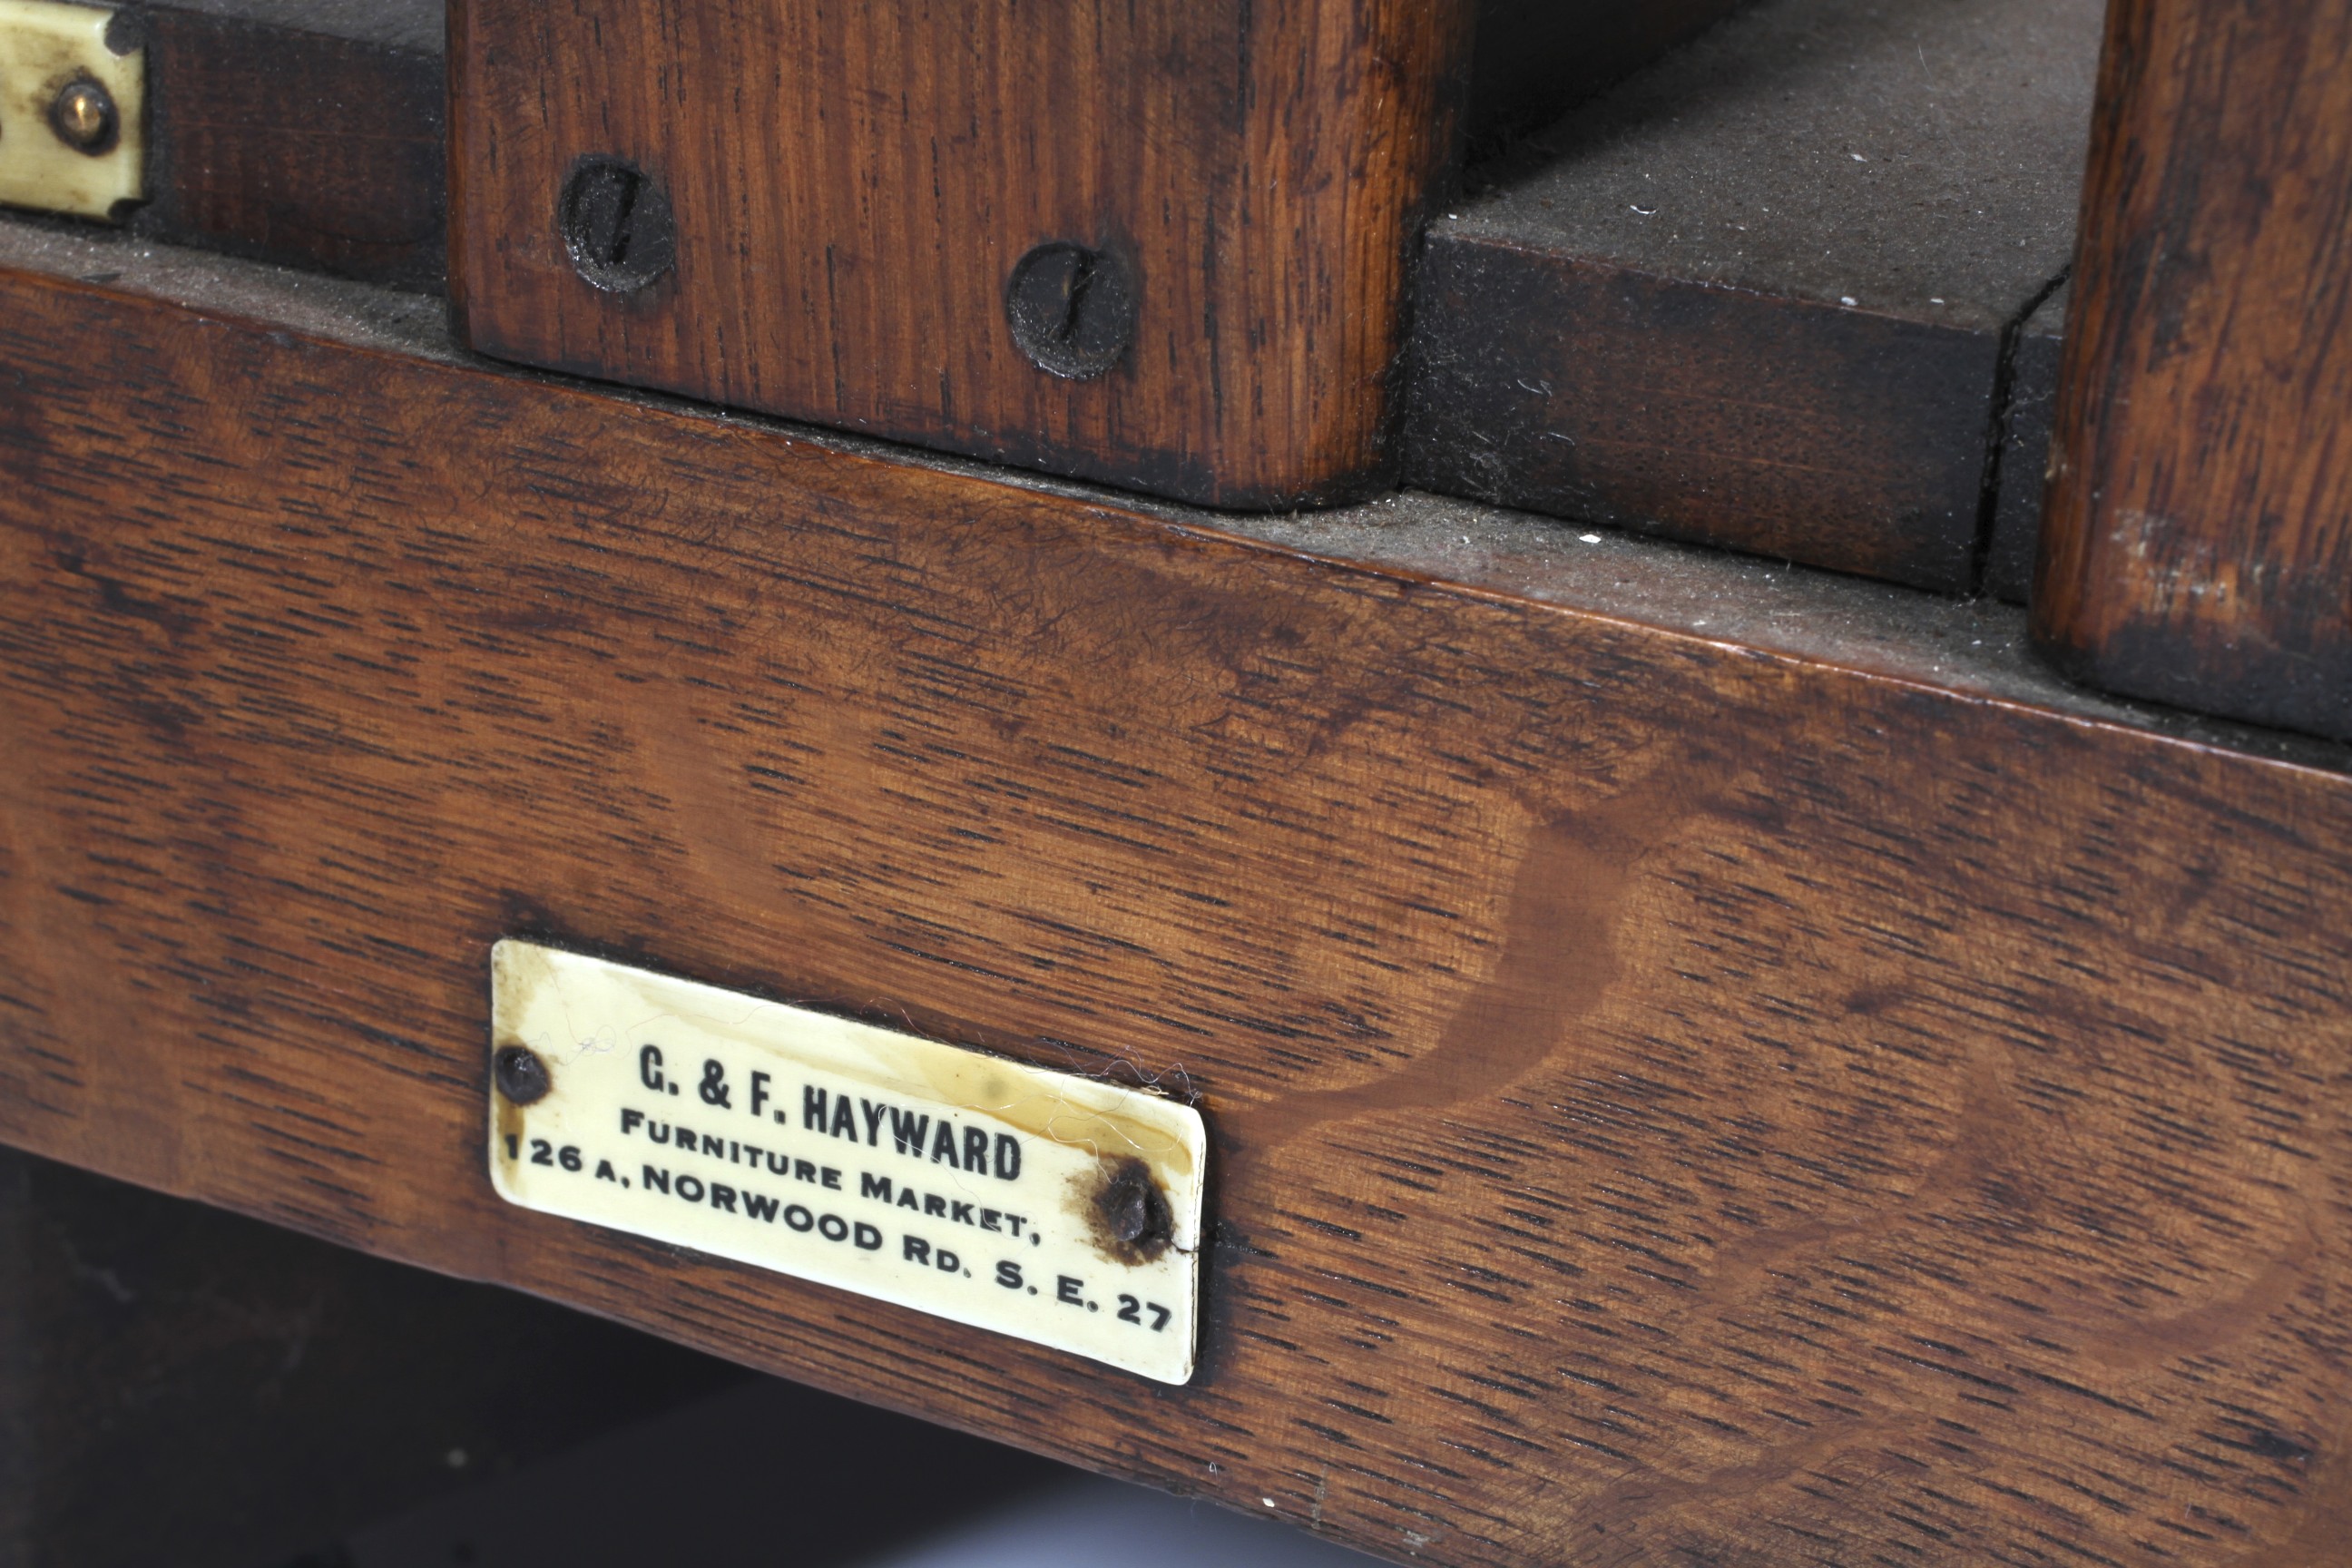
(1071, 309)
(520, 1076)
(617, 225)
(1132, 1211)
(83, 116)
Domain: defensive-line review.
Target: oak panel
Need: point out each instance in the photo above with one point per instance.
(1671, 1101)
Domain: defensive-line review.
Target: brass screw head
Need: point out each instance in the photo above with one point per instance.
(83, 116)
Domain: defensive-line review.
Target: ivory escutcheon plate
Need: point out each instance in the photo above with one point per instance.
(1055, 1208)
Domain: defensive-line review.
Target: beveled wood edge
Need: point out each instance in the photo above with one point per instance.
(1974, 648)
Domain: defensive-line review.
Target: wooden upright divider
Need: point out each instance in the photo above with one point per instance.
(867, 215)
(2197, 547)
(825, 210)
(1674, 1095)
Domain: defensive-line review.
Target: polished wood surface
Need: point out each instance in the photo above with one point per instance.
(2198, 548)
(1675, 1098)
(853, 186)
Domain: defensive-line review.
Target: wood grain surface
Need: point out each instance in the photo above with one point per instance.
(287, 140)
(312, 133)
(1766, 418)
(847, 227)
(1672, 1101)
(1803, 431)
(2198, 547)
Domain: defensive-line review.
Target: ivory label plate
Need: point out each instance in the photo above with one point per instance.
(1055, 1208)
(45, 47)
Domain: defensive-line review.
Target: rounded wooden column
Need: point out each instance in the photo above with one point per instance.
(2196, 546)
